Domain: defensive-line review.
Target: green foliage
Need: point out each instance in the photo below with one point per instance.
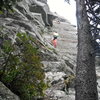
(69, 79)
(7, 4)
(22, 70)
(7, 46)
(1, 12)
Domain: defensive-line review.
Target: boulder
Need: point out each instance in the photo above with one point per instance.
(6, 94)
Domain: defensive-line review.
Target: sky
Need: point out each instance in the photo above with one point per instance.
(64, 9)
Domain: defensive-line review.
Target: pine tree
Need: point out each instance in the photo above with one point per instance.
(86, 86)
(88, 21)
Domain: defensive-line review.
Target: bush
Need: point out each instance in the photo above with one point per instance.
(7, 4)
(22, 70)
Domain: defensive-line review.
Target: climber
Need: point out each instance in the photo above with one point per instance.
(54, 41)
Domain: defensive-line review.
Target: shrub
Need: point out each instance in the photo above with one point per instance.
(22, 70)
(7, 4)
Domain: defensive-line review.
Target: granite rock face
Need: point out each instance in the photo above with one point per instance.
(60, 73)
(6, 94)
(34, 18)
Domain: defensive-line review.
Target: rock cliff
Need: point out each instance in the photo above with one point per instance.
(61, 73)
(34, 18)
(6, 94)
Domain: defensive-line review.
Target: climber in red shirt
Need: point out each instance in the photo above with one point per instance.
(54, 41)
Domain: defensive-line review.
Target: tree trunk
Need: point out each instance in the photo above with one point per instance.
(86, 87)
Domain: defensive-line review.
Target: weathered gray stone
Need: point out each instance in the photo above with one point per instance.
(44, 1)
(6, 94)
(31, 17)
(58, 66)
(56, 71)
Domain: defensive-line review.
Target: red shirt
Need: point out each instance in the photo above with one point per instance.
(54, 42)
